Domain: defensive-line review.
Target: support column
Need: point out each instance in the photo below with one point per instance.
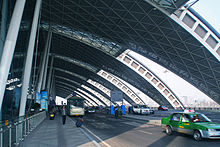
(3, 25)
(46, 64)
(50, 75)
(9, 46)
(43, 62)
(53, 87)
(29, 59)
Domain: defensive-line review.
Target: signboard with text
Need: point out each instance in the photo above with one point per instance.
(44, 95)
(43, 104)
(38, 97)
(44, 98)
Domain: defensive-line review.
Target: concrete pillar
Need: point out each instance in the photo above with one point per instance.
(3, 24)
(50, 75)
(29, 59)
(46, 63)
(9, 46)
(53, 87)
(40, 81)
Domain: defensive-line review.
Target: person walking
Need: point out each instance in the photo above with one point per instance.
(64, 115)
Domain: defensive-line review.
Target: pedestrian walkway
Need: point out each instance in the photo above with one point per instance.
(52, 133)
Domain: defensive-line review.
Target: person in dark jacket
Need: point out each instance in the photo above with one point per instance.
(64, 115)
(79, 121)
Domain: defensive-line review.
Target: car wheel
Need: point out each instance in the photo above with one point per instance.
(168, 130)
(197, 136)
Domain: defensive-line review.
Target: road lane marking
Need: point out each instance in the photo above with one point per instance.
(145, 132)
(87, 135)
(132, 124)
(101, 141)
(97, 144)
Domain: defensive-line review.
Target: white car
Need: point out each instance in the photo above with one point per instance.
(142, 109)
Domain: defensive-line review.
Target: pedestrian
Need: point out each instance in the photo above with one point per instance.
(64, 115)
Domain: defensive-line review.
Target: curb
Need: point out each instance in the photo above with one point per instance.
(151, 122)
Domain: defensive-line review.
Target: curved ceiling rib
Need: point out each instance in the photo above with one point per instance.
(201, 60)
(105, 100)
(77, 84)
(68, 88)
(70, 73)
(96, 42)
(115, 81)
(199, 30)
(88, 103)
(87, 98)
(103, 93)
(103, 89)
(66, 79)
(187, 18)
(92, 97)
(154, 80)
(168, 6)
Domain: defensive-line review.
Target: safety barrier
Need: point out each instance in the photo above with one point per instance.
(12, 132)
(206, 108)
(195, 108)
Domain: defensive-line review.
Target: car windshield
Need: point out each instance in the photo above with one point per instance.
(77, 103)
(199, 118)
(143, 106)
(91, 108)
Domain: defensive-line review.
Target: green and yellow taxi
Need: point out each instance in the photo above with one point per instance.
(195, 124)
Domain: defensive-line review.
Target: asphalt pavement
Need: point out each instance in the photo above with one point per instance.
(102, 129)
(136, 131)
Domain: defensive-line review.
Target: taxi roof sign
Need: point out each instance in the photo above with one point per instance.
(189, 111)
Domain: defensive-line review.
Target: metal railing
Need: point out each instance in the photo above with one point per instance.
(11, 133)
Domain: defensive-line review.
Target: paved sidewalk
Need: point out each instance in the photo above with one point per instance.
(52, 133)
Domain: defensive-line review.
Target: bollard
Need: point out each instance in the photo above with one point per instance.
(21, 127)
(9, 140)
(16, 134)
(25, 129)
(28, 126)
(1, 138)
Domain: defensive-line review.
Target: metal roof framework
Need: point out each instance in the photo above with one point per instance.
(97, 32)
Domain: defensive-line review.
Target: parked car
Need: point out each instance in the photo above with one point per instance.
(91, 110)
(142, 109)
(195, 124)
(163, 108)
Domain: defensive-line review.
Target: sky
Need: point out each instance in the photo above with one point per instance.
(210, 10)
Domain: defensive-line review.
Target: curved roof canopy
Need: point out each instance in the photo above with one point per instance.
(96, 32)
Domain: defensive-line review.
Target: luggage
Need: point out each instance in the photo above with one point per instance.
(79, 124)
(51, 116)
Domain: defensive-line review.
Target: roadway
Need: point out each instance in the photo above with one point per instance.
(130, 132)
